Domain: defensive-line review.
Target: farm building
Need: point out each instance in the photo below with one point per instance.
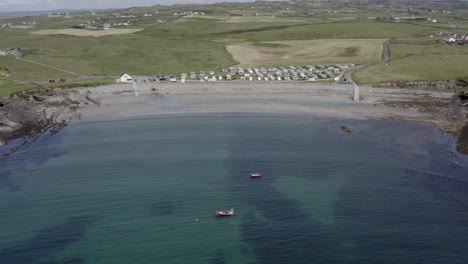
(124, 78)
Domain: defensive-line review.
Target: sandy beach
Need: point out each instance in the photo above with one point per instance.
(53, 109)
(303, 98)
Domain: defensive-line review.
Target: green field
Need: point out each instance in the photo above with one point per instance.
(411, 62)
(196, 43)
(8, 87)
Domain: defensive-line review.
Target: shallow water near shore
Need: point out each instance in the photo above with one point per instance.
(130, 191)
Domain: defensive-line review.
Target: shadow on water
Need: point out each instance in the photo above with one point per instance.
(47, 241)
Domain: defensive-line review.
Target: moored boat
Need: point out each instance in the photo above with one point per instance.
(255, 175)
(230, 212)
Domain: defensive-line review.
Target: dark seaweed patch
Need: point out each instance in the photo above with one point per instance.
(162, 209)
(68, 261)
(219, 257)
(6, 181)
(47, 241)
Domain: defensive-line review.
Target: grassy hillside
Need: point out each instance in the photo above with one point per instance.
(170, 44)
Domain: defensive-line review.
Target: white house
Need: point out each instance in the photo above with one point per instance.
(124, 78)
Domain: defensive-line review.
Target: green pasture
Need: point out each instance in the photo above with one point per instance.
(399, 51)
(369, 30)
(412, 62)
(422, 68)
(9, 87)
(24, 71)
(198, 43)
(79, 83)
(111, 55)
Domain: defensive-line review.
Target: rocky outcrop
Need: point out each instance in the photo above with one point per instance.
(462, 144)
(346, 130)
(28, 114)
(89, 97)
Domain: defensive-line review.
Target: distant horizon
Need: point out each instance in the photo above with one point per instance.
(8, 6)
(52, 5)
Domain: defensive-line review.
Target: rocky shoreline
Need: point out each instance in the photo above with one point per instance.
(26, 115)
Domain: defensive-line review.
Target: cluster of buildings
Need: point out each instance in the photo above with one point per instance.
(103, 21)
(23, 25)
(451, 38)
(149, 14)
(290, 73)
(388, 19)
(5, 25)
(66, 15)
(13, 51)
(399, 19)
(190, 13)
(91, 25)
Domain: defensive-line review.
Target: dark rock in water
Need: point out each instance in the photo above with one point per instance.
(346, 129)
(462, 145)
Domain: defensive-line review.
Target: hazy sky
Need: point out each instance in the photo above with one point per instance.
(37, 5)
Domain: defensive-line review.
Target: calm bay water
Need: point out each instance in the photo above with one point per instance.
(129, 191)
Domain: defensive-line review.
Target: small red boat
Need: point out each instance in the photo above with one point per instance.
(255, 175)
(230, 212)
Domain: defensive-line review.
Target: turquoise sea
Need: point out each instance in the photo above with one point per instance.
(129, 191)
